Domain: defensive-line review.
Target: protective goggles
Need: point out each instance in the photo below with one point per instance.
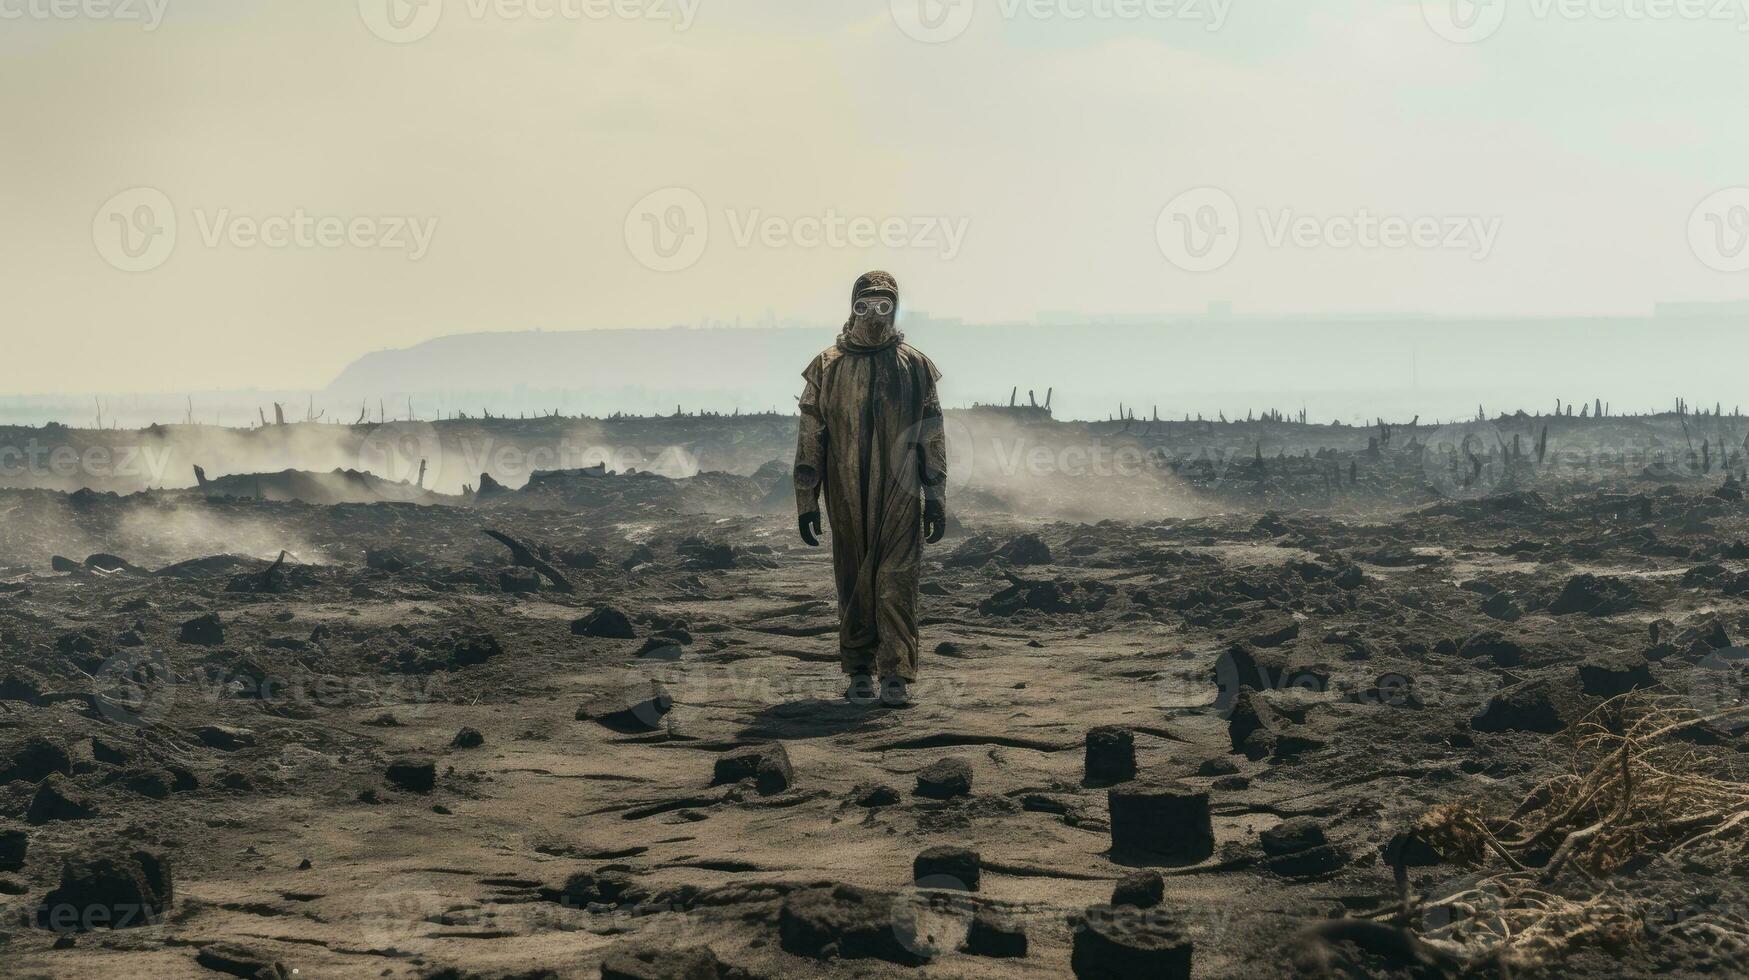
(878, 305)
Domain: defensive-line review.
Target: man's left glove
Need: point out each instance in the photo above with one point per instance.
(934, 520)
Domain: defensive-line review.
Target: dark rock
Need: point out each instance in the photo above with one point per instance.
(239, 961)
(386, 560)
(14, 845)
(947, 867)
(605, 887)
(58, 799)
(470, 647)
(1142, 890)
(1113, 943)
(468, 738)
(1531, 706)
(873, 795)
(1026, 549)
(995, 935)
(224, 737)
(661, 647)
(1275, 634)
(605, 622)
(645, 962)
(1493, 646)
(1502, 606)
(1111, 756)
(413, 774)
(155, 784)
(578, 558)
(1262, 669)
(1291, 835)
(519, 581)
(1053, 597)
(844, 922)
(206, 631)
(945, 779)
(1610, 675)
(971, 552)
(706, 556)
(111, 890)
(1217, 767)
(1167, 824)
(16, 688)
(32, 759)
(1296, 848)
(767, 765)
(630, 717)
(1253, 727)
(1594, 595)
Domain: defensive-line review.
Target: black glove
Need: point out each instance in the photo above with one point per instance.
(809, 525)
(934, 520)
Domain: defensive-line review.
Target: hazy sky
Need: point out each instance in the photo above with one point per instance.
(515, 165)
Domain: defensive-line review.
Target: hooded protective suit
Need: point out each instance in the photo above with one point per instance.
(871, 441)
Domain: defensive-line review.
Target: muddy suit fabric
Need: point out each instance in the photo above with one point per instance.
(871, 443)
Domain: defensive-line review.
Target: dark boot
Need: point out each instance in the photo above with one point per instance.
(895, 693)
(862, 690)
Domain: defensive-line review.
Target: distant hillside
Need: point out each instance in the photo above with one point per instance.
(1336, 368)
(1353, 369)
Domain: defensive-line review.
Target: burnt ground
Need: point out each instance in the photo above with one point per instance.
(397, 754)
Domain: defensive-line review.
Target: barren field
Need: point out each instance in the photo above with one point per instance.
(1280, 700)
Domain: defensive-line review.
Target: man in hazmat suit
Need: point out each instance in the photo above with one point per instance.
(872, 443)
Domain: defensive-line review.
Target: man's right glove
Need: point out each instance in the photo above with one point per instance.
(809, 525)
(934, 520)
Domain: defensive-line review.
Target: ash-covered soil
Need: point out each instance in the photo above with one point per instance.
(1442, 728)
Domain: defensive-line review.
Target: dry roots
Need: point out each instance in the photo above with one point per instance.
(1631, 789)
